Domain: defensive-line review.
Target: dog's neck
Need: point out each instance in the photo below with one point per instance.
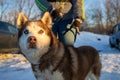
(34, 55)
(51, 59)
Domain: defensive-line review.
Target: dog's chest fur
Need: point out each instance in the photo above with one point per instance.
(47, 74)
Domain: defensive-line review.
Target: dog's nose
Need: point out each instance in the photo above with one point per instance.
(32, 39)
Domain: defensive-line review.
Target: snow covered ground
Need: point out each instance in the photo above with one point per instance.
(16, 67)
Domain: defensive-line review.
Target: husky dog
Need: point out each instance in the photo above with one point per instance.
(49, 58)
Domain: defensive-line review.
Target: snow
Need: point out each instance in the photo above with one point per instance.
(16, 67)
(100, 42)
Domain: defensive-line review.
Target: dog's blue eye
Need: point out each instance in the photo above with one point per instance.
(26, 31)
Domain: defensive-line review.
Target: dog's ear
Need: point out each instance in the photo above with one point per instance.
(47, 19)
(21, 20)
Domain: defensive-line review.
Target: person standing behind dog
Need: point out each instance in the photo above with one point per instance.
(66, 25)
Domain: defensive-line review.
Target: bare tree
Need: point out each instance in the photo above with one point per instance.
(98, 17)
(20, 5)
(112, 11)
(32, 10)
(3, 8)
(105, 18)
(30, 7)
(95, 16)
(116, 8)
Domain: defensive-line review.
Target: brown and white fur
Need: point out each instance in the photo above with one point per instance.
(52, 60)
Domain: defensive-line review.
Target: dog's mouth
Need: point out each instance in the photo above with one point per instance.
(32, 46)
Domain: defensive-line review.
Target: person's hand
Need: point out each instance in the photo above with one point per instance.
(56, 13)
(76, 24)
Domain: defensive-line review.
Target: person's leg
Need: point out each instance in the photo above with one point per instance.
(61, 29)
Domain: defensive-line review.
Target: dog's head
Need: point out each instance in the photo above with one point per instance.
(35, 35)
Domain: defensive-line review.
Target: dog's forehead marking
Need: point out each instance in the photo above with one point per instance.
(34, 27)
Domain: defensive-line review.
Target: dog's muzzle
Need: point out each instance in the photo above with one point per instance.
(32, 42)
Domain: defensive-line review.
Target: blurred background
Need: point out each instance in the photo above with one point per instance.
(101, 15)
